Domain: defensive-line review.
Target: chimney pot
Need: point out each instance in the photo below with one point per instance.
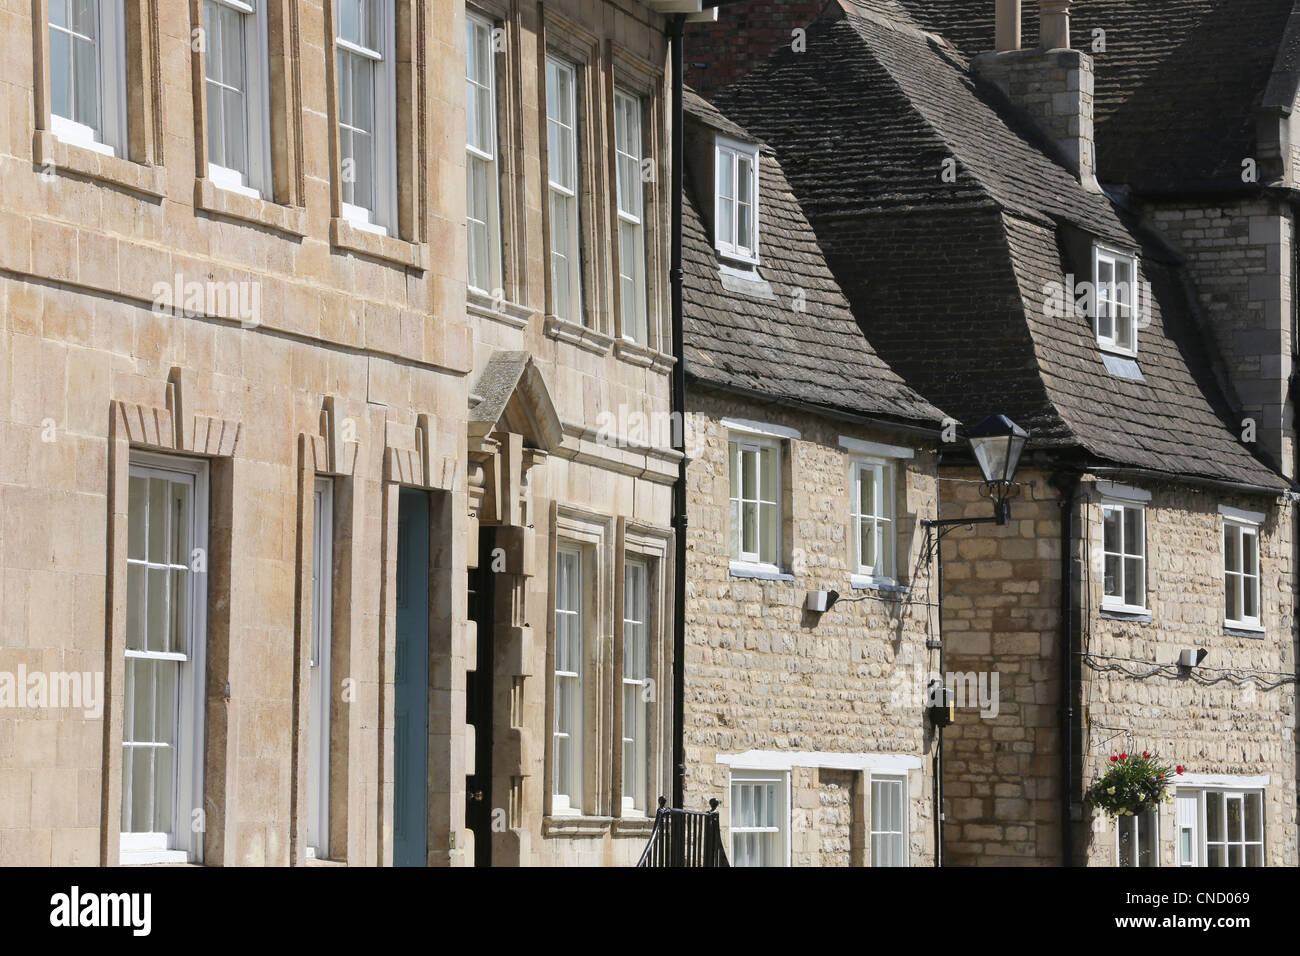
(1054, 24)
(1008, 25)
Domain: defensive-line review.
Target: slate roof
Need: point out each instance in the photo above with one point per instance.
(739, 335)
(1177, 87)
(947, 279)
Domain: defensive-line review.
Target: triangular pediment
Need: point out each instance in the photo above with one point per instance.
(512, 397)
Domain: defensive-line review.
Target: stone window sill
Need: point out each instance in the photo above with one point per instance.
(574, 334)
(635, 353)
(739, 570)
(344, 235)
(1243, 630)
(211, 198)
(634, 826)
(1116, 614)
(484, 306)
(862, 582)
(50, 151)
(576, 825)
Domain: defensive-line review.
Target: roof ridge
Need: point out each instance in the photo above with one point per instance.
(1023, 128)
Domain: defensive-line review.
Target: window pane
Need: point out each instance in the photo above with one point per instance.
(749, 474)
(1235, 832)
(136, 505)
(726, 177)
(142, 704)
(349, 20)
(1133, 590)
(1254, 817)
(1232, 548)
(1112, 576)
(158, 515)
(749, 527)
(1133, 531)
(1124, 842)
(1148, 849)
(768, 532)
(60, 71)
(744, 213)
(156, 637)
(1250, 597)
(142, 790)
(1232, 592)
(726, 221)
(178, 612)
(1111, 532)
(1214, 817)
(867, 491)
(135, 606)
(769, 460)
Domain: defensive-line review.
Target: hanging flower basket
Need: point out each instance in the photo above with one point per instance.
(1133, 784)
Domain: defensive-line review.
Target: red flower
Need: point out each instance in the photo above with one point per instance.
(1179, 768)
(1113, 758)
(1147, 755)
(1161, 776)
(1123, 756)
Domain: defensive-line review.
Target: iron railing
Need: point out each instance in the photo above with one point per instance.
(685, 838)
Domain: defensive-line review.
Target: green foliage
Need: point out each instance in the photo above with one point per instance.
(1133, 784)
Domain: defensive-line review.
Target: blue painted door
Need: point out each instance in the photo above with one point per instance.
(411, 750)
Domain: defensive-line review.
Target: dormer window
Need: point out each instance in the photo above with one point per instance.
(736, 201)
(1115, 300)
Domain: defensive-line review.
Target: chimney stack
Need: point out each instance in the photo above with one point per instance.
(1008, 25)
(1052, 84)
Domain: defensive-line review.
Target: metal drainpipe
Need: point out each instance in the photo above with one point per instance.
(676, 40)
(938, 753)
(1069, 489)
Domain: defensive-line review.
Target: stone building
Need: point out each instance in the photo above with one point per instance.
(978, 239)
(295, 344)
(811, 468)
(570, 455)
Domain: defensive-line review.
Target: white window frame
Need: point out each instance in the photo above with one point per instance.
(1116, 602)
(636, 726)
(322, 629)
(382, 218)
(485, 156)
(739, 444)
(779, 781)
(732, 153)
(257, 99)
(1121, 303)
(1201, 842)
(633, 305)
(567, 795)
(886, 483)
(182, 843)
(567, 250)
(1136, 823)
(899, 780)
(110, 137)
(1187, 813)
(1242, 529)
